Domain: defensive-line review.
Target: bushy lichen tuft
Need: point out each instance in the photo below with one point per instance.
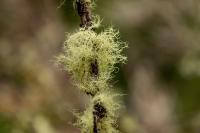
(85, 121)
(83, 48)
(108, 100)
(108, 121)
(90, 58)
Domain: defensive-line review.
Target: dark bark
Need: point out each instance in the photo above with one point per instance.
(84, 11)
(98, 114)
(94, 68)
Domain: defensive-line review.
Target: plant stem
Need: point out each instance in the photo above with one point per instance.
(98, 113)
(84, 11)
(95, 130)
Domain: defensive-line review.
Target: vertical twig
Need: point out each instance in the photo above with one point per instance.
(84, 11)
(95, 130)
(98, 113)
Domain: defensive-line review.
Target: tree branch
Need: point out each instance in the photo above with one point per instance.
(84, 11)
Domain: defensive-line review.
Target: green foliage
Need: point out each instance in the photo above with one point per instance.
(190, 63)
(6, 124)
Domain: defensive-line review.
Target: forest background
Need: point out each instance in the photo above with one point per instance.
(161, 79)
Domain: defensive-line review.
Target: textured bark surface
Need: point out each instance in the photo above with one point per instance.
(84, 12)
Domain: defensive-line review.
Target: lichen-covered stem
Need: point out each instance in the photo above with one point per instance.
(84, 12)
(95, 130)
(90, 58)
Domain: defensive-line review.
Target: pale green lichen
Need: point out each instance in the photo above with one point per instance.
(85, 121)
(91, 59)
(96, 22)
(108, 100)
(108, 122)
(83, 47)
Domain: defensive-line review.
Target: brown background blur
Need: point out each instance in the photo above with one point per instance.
(161, 79)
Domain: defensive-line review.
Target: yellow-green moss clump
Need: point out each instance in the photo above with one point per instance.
(85, 47)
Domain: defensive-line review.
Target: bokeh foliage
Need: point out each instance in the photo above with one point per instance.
(162, 34)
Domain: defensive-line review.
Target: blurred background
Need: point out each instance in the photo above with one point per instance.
(161, 79)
